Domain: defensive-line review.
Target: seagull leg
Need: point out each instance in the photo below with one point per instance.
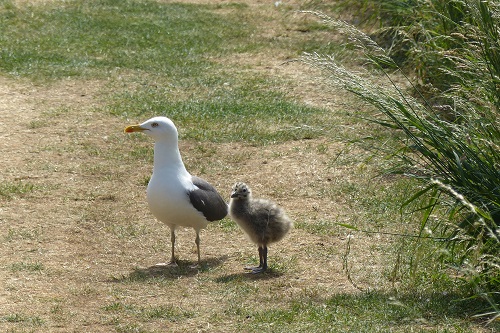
(172, 258)
(197, 241)
(172, 241)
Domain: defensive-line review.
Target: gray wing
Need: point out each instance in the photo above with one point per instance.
(207, 200)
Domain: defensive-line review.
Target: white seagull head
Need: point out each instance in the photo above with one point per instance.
(158, 128)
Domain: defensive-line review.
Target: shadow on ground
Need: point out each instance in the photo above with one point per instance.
(247, 275)
(184, 268)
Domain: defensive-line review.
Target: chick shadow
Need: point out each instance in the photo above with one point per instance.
(184, 268)
(269, 274)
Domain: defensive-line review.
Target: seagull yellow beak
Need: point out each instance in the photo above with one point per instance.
(134, 128)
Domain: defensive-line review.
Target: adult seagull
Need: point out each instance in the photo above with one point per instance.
(175, 197)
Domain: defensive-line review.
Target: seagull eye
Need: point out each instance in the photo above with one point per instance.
(154, 125)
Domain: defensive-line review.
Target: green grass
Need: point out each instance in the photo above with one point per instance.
(366, 312)
(94, 38)
(22, 319)
(252, 306)
(27, 267)
(249, 112)
(9, 190)
(164, 52)
(227, 225)
(325, 228)
(454, 153)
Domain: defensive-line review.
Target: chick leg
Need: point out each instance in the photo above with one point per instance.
(249, 268)
(262, 260)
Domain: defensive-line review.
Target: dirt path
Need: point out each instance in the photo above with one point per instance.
(16, 112)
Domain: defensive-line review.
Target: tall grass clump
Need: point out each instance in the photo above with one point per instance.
(434, 38)
(450, 143)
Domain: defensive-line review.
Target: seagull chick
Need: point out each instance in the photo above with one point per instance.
(262, 220)
(174, 196)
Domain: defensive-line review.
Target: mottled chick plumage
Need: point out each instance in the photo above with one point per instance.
(262, 220)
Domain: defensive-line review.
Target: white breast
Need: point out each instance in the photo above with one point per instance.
(168, 200)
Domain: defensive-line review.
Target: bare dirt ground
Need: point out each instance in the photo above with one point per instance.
(82, 242)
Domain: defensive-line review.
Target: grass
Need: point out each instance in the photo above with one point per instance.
(356, 314)
(167, 312)
(95, 38)
(19, 318)
(91, 67)
(23, 234)
(9, 190)
(259, 116)
(167, 48)
(453, 154)
(27, 267)
(366, 312)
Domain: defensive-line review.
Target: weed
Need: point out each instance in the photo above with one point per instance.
(20, 318)
(27, 267)
(9, 190)
(147, 313)
(23, 234)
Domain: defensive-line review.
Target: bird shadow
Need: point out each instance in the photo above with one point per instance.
(184, 268)
(269, 274)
